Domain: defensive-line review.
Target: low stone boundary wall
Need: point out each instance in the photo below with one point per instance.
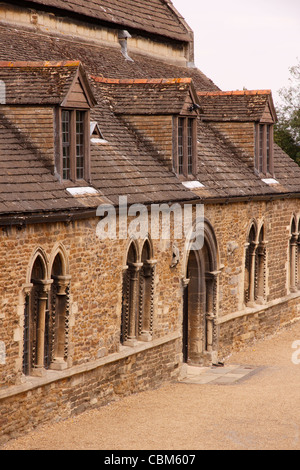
(60, 395)
(244, 328)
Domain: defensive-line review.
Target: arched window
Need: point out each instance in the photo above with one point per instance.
(293, 257)
(137, 296)
(59, 314)
(146, 292)
(36, 357)
(260, 268)
(255, 267)
(249, 284)
(129, 298)
(298, 258)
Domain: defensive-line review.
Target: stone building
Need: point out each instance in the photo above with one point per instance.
(104, 112)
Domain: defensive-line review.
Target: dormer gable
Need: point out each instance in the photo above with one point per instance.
(79, 94)
(245, 119)
(44, 83)
(156, 109)
(269, 115)
(39, 96)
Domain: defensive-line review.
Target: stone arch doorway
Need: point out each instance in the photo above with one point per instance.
(200, 303)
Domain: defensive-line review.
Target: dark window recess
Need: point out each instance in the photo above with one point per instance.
(261, 148)
(79, 145)
(185, 146)
(66, 144)
(180, 145)
(74, 144)
(264, 149)
(268, 150)
(26, 338)
(190, 147)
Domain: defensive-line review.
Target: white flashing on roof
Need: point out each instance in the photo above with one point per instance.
(98, 141)
(270, 181)
(82, 191)
(193, 184)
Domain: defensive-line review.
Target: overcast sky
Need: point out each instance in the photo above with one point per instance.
(243, 43)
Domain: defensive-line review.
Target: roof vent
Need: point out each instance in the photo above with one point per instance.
(123, 36)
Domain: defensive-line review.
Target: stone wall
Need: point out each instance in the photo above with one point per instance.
(96, 270)
(54, 399)
(251, 325)
(96, 358)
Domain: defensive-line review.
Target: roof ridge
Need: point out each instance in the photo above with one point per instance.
(141, 81)
(20, 63)
(234, 93)
(178, 15)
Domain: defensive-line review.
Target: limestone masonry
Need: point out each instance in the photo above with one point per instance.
(101, 103)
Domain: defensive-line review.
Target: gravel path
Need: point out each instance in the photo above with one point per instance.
(261, 411)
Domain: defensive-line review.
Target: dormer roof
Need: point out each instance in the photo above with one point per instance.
(44, 83)
(238, 106)
(151, 96)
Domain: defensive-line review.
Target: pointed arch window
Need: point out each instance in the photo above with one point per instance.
(59, 314)
(129, 298)
(146, 294)
(137, 296)
(45, 318)
(255, 267)
(293, 257)
(36, 339)
(250, 266)
(260, 268)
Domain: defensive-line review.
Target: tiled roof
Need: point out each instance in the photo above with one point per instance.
(154, 16)
(125, 165)
(19, 45)
(147, 96)
(245, 105)
(225, 173)
(26, 184)
(38, 83)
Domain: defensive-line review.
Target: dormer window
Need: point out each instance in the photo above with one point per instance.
(185, 146)
(72, 130)
(246, 118)
(74, 127)
(264, 149)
